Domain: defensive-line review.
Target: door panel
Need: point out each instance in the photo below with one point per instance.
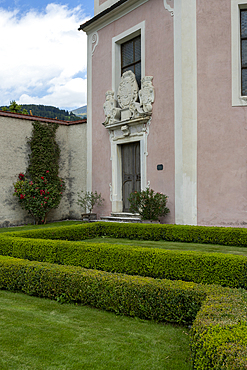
(131, 173)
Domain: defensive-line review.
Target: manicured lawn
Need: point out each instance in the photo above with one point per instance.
(172, 245)
(41, 334)
(33, 227)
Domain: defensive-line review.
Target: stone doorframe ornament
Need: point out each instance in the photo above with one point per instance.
(127, 120)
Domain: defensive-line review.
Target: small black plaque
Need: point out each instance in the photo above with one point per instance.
(160, 167)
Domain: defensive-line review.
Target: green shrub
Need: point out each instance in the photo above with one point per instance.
(219, 332)
(218, 335)
(176, 233)
(148, 204)
(207, 268)
(79, 232)
(40, 189)
(147, 298)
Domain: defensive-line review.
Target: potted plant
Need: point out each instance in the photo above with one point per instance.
(88, 201)
(148, 204)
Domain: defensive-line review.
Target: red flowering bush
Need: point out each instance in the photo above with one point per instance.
(38, 197)
(40, 189)
(148, 204)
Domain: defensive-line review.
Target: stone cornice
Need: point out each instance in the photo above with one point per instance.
(110, 14)
(132, 122)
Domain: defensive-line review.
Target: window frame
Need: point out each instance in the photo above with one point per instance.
(117, 41)
(135, 62)
(237, 98)
(242, 38)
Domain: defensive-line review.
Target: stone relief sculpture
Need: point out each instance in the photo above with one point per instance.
(95, 41)
(168, 7)
(146, 94)
(127, 107)
(112, 113)
(128, 90)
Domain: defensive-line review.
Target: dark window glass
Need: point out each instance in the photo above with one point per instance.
(243, 35)
(131, 58)
(244, 82)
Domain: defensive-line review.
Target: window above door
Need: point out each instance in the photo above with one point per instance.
(128, 53)
(131, 57)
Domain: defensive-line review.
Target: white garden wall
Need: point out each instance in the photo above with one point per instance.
(15, 129)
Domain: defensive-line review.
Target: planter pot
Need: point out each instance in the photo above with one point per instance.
(89, 216)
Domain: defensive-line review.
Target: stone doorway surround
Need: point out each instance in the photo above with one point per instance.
(127, 120)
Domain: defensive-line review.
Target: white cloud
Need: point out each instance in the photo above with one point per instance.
(42, 55)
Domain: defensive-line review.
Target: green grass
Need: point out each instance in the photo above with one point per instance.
(173, 245)
(33, 227)
(41, 334)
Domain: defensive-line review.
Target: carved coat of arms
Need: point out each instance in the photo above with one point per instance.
(129, 106)
(128, 90)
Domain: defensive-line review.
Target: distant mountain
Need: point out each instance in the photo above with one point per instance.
(49, 112)
(81, 112)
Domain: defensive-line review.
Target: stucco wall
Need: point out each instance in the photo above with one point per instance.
(158, 43)
(14, 152)
(222, 128)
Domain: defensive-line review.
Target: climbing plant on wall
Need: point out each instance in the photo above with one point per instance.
(40, 189)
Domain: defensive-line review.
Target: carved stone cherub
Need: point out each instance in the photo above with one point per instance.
(146, 94)
(112, 113)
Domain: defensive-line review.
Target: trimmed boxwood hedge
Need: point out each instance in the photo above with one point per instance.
(219, 331)
(147, 298)
(207, 268)
(177, 233)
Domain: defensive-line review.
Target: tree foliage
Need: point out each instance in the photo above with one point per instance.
(41, 111)
(15, 108)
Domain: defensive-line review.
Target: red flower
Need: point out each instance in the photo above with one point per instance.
(42, 177)
(22, 196)
(47, 171)
(21, 176)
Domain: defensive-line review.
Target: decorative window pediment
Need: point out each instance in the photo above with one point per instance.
(132, 105)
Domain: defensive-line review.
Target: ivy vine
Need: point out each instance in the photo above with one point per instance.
(41, 189)
(45, 152)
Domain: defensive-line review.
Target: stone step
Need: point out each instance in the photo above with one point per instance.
(121, 219)
(125, 214)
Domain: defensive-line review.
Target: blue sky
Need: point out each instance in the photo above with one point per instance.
(42, 53)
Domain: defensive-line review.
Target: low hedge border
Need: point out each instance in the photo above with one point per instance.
(176, 233)
(207, 268)
(219, 331)
(147, 298)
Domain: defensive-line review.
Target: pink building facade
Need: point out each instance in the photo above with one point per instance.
(184, 130)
